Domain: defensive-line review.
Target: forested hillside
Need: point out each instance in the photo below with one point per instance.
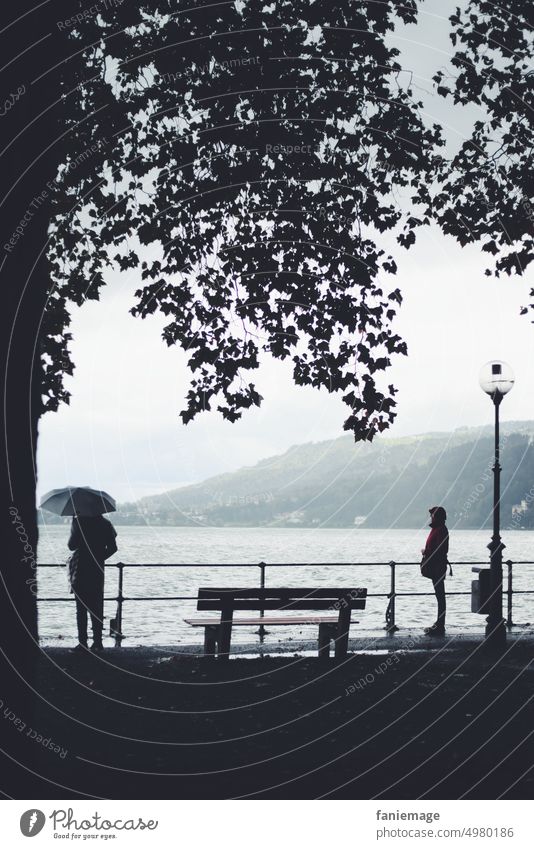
(337, 483)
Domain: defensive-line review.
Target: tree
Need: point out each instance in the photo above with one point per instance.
(260, 150)
(34, 50)
(487, 190)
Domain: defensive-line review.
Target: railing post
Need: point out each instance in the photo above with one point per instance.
(261, 630)
(120, 598)
(391, 627)
(510, 594)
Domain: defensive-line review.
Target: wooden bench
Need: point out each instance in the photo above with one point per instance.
(333, 627)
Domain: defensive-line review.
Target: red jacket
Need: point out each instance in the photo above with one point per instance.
(437, 547)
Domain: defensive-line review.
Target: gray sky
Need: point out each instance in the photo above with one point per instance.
(122, 431)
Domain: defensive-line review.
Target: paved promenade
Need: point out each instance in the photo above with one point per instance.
(431, 719)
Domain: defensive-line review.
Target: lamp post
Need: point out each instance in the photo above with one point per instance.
(496, 379)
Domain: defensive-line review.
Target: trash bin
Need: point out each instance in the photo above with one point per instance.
(481, 590)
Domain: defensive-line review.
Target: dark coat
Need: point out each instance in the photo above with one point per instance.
(92, 541)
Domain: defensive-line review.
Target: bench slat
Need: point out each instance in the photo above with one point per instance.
(282, 592)
(281, 604)
(267, 620)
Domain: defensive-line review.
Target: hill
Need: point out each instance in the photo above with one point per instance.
(339, 483)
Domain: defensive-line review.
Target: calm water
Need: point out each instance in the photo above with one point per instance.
(161, 623)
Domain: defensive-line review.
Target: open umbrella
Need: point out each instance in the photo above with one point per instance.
(78, 501)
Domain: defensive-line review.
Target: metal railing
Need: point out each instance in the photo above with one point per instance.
(391, 596)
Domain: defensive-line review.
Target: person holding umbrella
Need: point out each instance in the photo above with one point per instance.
(92, 540)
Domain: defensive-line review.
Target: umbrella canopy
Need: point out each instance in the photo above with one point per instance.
(78, 501)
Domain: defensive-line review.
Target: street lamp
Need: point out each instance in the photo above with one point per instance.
(496, 379)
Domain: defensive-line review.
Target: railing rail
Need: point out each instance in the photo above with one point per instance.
(392, 595)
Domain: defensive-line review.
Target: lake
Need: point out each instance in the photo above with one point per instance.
(161, 623)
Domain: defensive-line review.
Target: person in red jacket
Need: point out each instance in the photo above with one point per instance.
(435, 564)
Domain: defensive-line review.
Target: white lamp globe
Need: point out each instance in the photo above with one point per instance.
(496, 377)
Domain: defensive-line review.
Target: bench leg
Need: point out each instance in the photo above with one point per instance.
(225, 634)
(342, 635)
(210, 640)
(325, 635)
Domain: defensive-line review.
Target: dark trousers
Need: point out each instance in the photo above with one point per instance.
(439, 589)
(91, 602)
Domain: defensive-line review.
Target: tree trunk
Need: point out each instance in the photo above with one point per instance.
(30, 125)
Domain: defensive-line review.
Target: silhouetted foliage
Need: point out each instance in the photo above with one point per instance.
(246, 157)
(488, 188)
(253, 155)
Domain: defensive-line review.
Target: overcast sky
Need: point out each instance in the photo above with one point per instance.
(122, 431)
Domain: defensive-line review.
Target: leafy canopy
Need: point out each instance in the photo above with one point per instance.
(248, 157)
(487, 191)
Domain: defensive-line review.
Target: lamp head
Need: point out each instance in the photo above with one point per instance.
(496, 378)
